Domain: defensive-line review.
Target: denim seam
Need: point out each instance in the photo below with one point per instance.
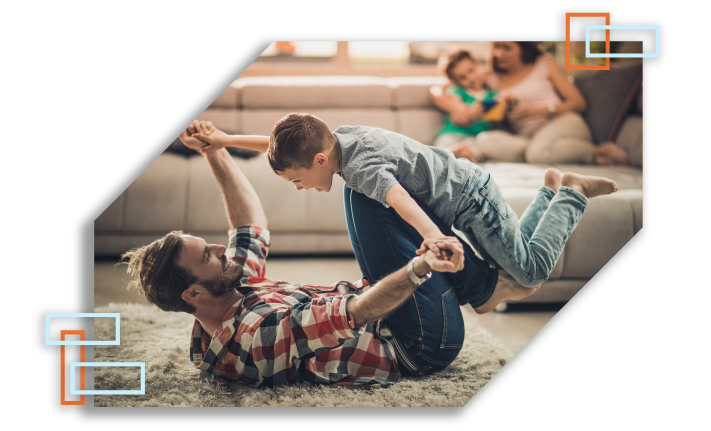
(491, 204)
(392, 249)
(444, 315)
(466, 208)
(433, 361)
(581, 197)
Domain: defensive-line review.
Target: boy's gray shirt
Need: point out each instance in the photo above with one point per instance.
(373, 160)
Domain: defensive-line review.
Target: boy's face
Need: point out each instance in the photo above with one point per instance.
(317, 177)
(469, 75)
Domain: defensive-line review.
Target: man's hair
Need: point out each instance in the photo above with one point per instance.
(529, 53)
(157, 274)
(296, 139)
(450, 59)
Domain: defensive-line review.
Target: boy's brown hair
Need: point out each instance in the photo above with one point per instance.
(296, 139)
(450, 59)
(157, 274)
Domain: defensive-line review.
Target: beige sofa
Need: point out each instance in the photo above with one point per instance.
(177, 191)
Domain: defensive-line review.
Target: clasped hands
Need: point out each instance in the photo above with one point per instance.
(443, 254)
(203, 137)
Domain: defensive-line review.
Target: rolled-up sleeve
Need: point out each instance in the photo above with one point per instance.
(248, 247)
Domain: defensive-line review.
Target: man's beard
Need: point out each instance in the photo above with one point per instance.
(221, 285)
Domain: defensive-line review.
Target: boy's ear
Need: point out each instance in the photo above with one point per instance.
(321, 159)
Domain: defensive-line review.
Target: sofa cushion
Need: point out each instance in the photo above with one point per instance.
(418, 124)
(305, 92)
(413, 91)
(261, 121)
(609, 94)
(229, 99)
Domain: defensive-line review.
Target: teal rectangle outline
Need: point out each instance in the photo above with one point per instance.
(621, 27)
(115, 342)
(74, 366)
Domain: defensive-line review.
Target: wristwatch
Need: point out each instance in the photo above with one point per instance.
(414, 278)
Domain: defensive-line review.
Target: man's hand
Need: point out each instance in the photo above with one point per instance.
(432, 243)
(197, 127)
(448, 246)
(388, 294)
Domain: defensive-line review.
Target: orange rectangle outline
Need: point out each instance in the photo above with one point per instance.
(82, 400)
(569, 15)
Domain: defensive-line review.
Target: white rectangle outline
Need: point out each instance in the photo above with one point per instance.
(115, 342)
(74, 366)
(621, 27)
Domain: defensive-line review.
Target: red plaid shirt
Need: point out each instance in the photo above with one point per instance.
(281, 332)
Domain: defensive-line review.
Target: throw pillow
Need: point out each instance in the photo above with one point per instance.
(608, 94)
(177, 147)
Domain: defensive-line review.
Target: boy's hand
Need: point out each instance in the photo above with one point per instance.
(451, 247)
(188, 136)
(434, 244)
(476, 111)
(214, 140)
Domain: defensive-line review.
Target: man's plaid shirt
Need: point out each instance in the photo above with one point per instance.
(281, 332)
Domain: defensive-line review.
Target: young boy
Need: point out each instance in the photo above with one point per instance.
(389, 168)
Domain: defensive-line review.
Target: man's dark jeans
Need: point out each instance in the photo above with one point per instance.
(428, 329)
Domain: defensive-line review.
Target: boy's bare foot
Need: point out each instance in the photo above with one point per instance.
(464, 150)
(552, 179)
(587, 185)
(506, 289)
(615, 153)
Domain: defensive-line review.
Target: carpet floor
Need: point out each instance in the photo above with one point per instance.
(161, 339)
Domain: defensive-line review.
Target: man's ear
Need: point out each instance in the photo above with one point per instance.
(321, 159)
(190, 294)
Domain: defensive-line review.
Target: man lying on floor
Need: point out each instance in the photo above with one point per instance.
(265, 333)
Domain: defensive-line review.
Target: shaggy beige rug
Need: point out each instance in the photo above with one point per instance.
(161, 339)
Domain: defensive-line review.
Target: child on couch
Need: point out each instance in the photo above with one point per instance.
(467, 82)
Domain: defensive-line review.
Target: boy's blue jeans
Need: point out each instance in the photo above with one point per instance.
(428, 329)
(528, 250)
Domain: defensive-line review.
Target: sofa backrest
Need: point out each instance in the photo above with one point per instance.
(253, 105)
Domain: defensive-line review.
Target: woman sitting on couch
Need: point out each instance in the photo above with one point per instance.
(545, 112)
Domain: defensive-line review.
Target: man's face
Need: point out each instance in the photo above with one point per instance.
(209, 264)
(318, 177)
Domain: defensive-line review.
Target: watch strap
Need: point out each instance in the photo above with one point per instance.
(414, 278)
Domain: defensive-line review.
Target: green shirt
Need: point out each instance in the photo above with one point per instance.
(476, 127)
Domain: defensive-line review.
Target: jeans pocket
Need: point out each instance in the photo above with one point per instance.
(453, 323)
(412, 343)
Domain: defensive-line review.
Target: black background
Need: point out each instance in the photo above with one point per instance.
(104, 114)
